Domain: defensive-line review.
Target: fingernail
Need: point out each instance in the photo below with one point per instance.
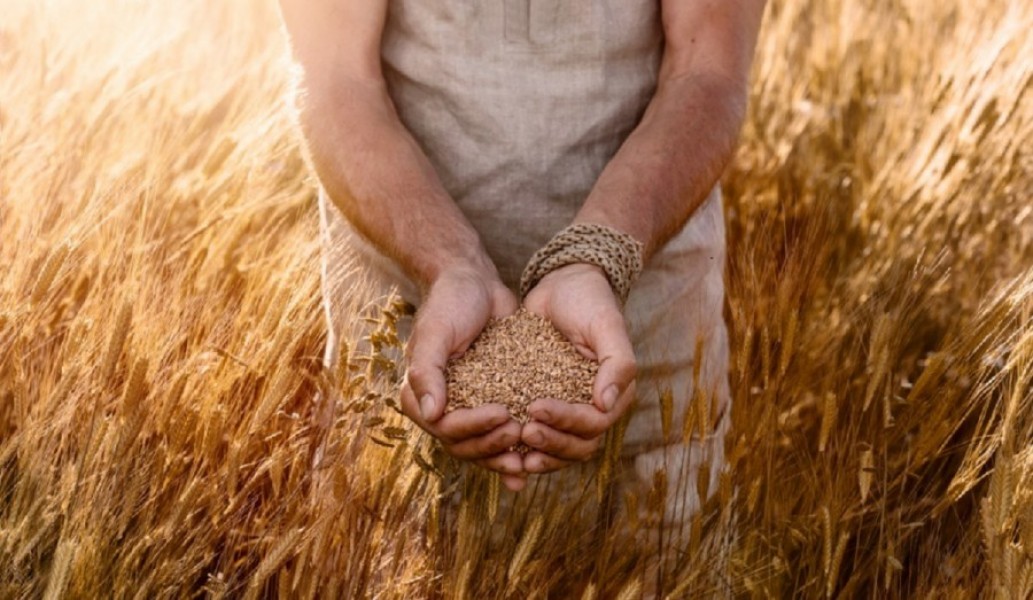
(610, 398)
(426, 406)
(535, 439)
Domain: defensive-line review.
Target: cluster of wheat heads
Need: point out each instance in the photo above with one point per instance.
(162, 431)
(160, 331)
(880, 271)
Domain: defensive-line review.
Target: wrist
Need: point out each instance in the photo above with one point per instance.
(473, 269)
(615, 253)
(572, 270)
(469, 262)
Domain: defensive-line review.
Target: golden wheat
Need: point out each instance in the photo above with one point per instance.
(167, 428)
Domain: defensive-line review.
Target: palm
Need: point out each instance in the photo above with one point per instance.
(578, 300)
(456, 309)
(582, 301)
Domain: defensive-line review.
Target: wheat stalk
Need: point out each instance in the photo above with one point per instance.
(524, 550)
(119, 334)
(50, 269)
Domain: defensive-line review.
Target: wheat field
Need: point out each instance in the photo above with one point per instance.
(162, 433)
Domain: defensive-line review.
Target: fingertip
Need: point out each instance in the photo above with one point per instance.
(534, 462)
(532, 435)
(514, 483)
(410, 406)
(492, 415)
(610, 385)
(505, 464)
(512, 430)
(608, 399)
(430, 408)
(500, 415)
(539, 410)
(512, 464)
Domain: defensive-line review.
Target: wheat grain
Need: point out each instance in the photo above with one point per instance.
(826, 539)
(837, 561)
(273, 560)
(59, 573)
(828, 420)
(46, 277)
(135, 390)
(865, 472)
(524, 550)
(463, 581)
(879, 231)
(630, 591)
(590, 592)
(119, 334)
(666, 412)
(494, 485)
(786, 346)
(517, 360)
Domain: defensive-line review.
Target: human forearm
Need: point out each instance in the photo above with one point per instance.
(671, 161)
(369, 164)
(668, 165)
(377, 175)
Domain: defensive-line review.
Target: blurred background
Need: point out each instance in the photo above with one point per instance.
(161, 334)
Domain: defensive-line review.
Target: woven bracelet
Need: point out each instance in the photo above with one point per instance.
(618, 254)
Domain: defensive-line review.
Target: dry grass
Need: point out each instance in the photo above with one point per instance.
(160, 330)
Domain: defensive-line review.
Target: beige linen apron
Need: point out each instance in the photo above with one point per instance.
(519, 104)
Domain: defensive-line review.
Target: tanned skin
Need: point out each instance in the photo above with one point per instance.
(379, 178)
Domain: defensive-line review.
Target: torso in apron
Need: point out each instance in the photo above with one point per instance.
(519, 104)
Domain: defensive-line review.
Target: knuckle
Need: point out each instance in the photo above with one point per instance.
(420, 377)
(417, 374)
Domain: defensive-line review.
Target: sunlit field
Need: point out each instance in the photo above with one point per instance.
(164, 431)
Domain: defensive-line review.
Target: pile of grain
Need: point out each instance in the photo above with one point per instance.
(517, 360)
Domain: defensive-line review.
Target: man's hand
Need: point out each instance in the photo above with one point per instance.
(457, 307)
(578, 300)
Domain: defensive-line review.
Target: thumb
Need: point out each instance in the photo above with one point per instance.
(429, 349)
(609, 340)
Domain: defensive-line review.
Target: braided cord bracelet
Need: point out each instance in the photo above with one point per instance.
(618, 254)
